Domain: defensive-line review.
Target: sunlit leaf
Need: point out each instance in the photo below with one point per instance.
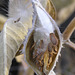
(2, 21)
(11, 39)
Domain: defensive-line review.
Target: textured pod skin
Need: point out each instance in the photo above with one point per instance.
(44, 24)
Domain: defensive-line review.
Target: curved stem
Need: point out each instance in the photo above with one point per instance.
(68, 32)
(71, 44)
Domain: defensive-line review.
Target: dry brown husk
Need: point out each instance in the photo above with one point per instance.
(29, 42)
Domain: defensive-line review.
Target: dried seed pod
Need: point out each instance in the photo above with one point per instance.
(14, 31)
(42, 58)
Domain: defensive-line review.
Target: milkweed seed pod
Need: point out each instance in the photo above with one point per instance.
(43, 43)
(14, 31)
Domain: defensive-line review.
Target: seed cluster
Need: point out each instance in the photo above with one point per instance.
(44, 59)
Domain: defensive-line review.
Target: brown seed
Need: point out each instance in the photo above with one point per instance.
(33, 46)
(40, 56)
(39, 60)
(54, 49)
(50, 47)
(35, 54)
(53, 39)
(49, 62)
(41, 45)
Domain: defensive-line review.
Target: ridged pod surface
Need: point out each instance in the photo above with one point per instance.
(43, 43)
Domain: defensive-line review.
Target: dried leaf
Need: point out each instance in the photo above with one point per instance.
(14, 32)
(11, 39)
(51, 9)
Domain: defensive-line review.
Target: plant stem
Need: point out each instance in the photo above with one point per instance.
(69, 30)
(71, 44)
